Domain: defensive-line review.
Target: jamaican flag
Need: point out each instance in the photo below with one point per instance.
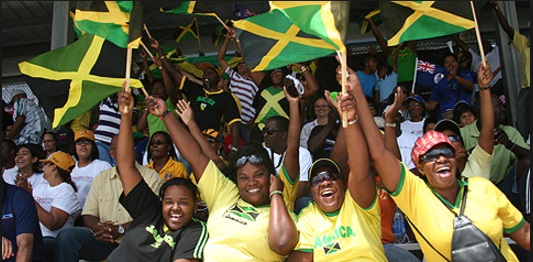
(190, 7)
(120, 22)
(326, 19)
(270, 41)
(70, 80)
(376, 18)
(415, 20)
(218, 34)
(186, 32)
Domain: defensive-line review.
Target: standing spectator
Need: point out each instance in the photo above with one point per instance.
(108, 124)
(367, 75)
(56, 202)
(521, 42)
(7, 120)
(387, 81)
(22, 239)
(49, 143)
(416, 106)
(88, 165)
(29, 120)
(242, 85)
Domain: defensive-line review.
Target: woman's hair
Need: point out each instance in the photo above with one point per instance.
(36, 151)
(53, 134)
(94, 152)
(65, 176)
(459, 111)
(448, 55)
(179, 181)
(428, 121)
(250, 148)
(168, 139)
(312, 105)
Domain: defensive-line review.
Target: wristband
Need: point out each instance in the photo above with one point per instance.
(353, 121)
(275, 192)
(512, 147)
(393, 125)
(303, 69)
(164, 114)
(484, 87)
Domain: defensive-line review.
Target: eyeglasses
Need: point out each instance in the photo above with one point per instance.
(48, 141)
(414, 104)
(435, 154)
(324, 176)
(84, 142)
(256, 160)
(455, 138)
(269, 132)
(158, 143)
(321, 105)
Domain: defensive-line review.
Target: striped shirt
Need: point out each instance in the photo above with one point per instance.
(244, 90)
(34, 122)
(108, 121)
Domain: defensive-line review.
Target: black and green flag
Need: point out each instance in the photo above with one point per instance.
(70, 80)
(415, 20)
(186, 32)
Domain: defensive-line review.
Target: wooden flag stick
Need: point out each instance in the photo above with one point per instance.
(342, 57)
(478, 36)
(198, 34)
(220, 20)
(147, 32)
(414, 76)
(147, 50)
(128, 72)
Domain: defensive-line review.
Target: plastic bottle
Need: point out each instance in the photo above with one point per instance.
(398, 227)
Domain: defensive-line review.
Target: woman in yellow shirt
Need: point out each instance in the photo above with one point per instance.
(163, 158)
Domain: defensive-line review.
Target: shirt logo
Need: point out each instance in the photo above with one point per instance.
(159, 239)
(242, 215)
(329, 243)
(331, 248)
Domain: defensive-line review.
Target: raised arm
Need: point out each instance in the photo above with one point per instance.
(361, 182)
(391, 142)
(172, 92)
(167, 65)
(311, 85)
(292, 153)
(184, 141)
(223, 49)
(502, 20)
(381, 40)
(129, 175)
(460, 42)
(486, 135)
(146, 67)
(282, 231)
(385, 163)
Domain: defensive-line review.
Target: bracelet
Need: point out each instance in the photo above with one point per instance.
(303, 69)
(164, 114)
(275, 192)
(512, 147)
(484, 87)
(232, 148)
(353, 121)
(393, 125)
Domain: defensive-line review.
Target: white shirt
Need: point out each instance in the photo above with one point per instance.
(493, 58)
(34, 180)
(306, 160)
(406, 142)
(306, 132)
(83, 177)
(62, 197)
(416, 128)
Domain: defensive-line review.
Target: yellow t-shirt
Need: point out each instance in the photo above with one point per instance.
(171, 170)
(237, 230)
(349, 234)
(521, 43)
(486, 206)
(81, 122)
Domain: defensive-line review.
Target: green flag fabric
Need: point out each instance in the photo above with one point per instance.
(70, 80)
(111, 20)
(189, 64)
(190, 7)
(415, 20)
(325, 19)
(376, 18)
(217, 36)
(270, 41)
(186, 32)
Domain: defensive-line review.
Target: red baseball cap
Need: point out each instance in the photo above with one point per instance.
(428, 141)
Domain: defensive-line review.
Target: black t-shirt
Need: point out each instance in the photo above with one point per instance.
(211, 109)
(328, 143)
(145, 241)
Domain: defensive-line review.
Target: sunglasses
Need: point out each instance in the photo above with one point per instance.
(269, 132)
(84, 142)
(435, 154)
(455, 138)
(324, 176)
(158, 143)
(253, 159)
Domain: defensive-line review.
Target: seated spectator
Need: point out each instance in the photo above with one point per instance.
(429, 123)
(105, 220)
(22, 239)
(49, 143)
(367, 75)
(28, 120)
(108, 123)
(319, 114)
(56, 201)
(463, 114)
(8, 161)
(88, 165)
(417, 111)
(65, 140)
(163, 158)
(29, 168)
(322, 137)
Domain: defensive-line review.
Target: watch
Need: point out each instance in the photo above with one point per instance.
(121, 229)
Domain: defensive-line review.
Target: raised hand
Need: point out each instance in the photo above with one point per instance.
(399, 98)
(275, 183)
(185, 112)
(484, 75)
(156, 106)
(125, 100)
(21, 180)
(154, 43)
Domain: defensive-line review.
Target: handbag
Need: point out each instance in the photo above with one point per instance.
(469, 243)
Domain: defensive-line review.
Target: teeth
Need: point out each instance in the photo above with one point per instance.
(175, 216)
(443, 169)
(255, 190)
(327, 193)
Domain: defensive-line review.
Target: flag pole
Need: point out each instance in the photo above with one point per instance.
(478, 35)
(147, 32)
(198, 34)
(220, 20)
(342, 55)
(128, 73)
(147, 51)
(414, 77)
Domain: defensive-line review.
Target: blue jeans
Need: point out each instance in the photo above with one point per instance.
(75, 243)
(398, 254)
(103, 152)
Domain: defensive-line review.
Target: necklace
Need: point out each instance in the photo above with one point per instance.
(279, 160)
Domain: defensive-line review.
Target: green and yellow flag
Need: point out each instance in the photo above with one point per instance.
(186, 32)
(325, 19)
(415, 20)
(218, 35)
(120, 22)
(190, 7)
(270, 41)
(70, 80)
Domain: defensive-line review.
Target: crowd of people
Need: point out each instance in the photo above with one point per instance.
(235, 165)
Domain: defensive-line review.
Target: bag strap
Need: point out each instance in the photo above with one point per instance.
(420, 233)
(463, 200)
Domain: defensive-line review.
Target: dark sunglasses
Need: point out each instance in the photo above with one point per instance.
(270, 132)
(455, 138)
(158, 143)
(84, 142)
(435, 154)
(324, 176)
(256, 160)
